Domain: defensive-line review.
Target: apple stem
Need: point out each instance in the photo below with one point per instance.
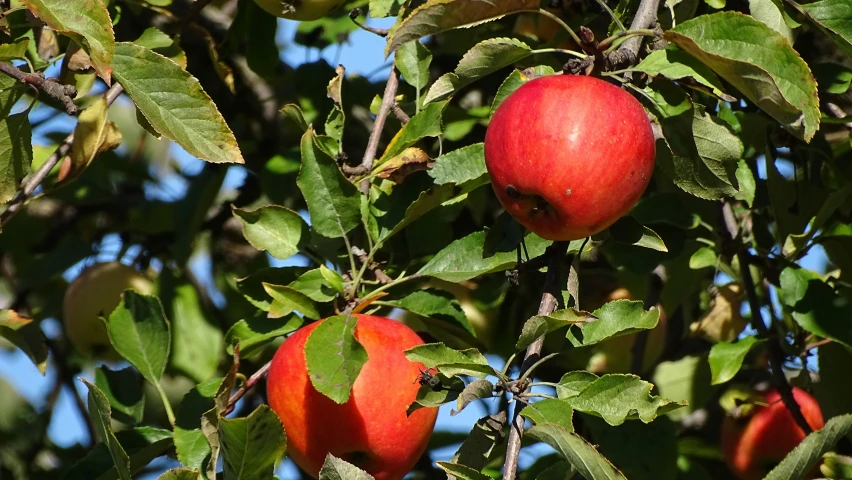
(549, 301)
(776, 352)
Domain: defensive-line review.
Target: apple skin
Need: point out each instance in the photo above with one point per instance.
(576, 151)
(370, 430)
(97, 291)
(306, 10)
(770, 433)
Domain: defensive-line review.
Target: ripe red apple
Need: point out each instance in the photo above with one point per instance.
(569, 155)
(302, 10)
(96, 292)
(753, 446)
(370, 430)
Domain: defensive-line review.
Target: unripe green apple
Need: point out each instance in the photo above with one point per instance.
(568, 155)
(302, 10)
(96, 292)
(752, 446)
(370, 430)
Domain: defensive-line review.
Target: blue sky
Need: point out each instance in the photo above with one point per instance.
(362, 55)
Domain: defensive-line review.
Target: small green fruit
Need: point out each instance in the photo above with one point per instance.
(96, 292)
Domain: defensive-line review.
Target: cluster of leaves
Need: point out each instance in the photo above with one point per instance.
(752, 178)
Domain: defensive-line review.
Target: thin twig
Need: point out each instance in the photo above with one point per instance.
(252, 380)
(49, 86)
(837, 112)
(556, 253)
(32, 182)
(399, 114)
(355, 13)
(388, 99)
(776, 353)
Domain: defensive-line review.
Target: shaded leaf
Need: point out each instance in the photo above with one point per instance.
(834, 17)
(427, 123)
(475, 390)
(487, 433)
(252, 446)
(413, 60)
(123, 390)
(438, 16)
(99, 412)
(628, 231)
(286, 300)
(180, 474)
(142, 444)
(541, 325)
(675, 64)
(18, 49)
(140, 332)
(196, 343)
(336, 469)
(253, 334)
(807, 454)
(515, 80)
(574, 448)
(16, 153)
(450, 362)
(461, 472)
(449, 390)
(23, 333)
(435, 304)
(551, 410)
(92, 135)
(759, 62)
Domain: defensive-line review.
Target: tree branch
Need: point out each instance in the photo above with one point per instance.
(49, 86)
(555, 253)
(646, 16)
(256, 376)
(776, 353)
(388, 99)
(34, 180)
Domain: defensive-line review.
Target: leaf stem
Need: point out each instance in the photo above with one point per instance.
(612, 14)
(169, 413)
(560, 50)
(558, 20)
(642, 32)
(536, 365)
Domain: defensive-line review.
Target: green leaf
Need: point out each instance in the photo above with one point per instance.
(759, 62)
(16, 153)
(551, 410)
(315, 285)
(174, 104)
(25, 334)
(196, 343)
(449, 390)
(180, 474)
(486, 434)
(123, 390)
(156, 40)
(18, 49)
(726, 359)
(574, 448)
(332, 278)
(384, 8)
(515, 80)
(704, 257)
(834, 17)
(832, 78)
(140, 332)
(748, 186)
(541, 325)
(334, 357)
(90, 135)
(142, 444)
(699, 153)
(675, 64)
(99, 412)
(619, 317)
(191, 446)
(572, 383)
(294, 113)
(86, 22)
(252, 446)
(460, 166)
(796, 243)
(273, 228)
(464, 258)
(560, 470)
(484, 58)
(450, 362)
(253, 334)
(253, 289)
(617, 397)
(336, 118)
(654, 457)
(438, 304)
(768, 12)
(336, 469)
(333, 202)
(439, 16)
(427, 123)
(286, 300)
(461, 472)
(475, 390)
(807, 454)
(413, 60)
(629, 231)
(816, 306)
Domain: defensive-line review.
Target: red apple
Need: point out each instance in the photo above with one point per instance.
(370, 430)
(753, 446)
(569, 155)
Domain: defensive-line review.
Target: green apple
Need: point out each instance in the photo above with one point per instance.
(96, 292)
(302, 10)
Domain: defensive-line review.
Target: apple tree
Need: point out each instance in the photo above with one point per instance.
(616, 235)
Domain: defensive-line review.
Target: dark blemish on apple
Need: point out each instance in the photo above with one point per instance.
(513, 192)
